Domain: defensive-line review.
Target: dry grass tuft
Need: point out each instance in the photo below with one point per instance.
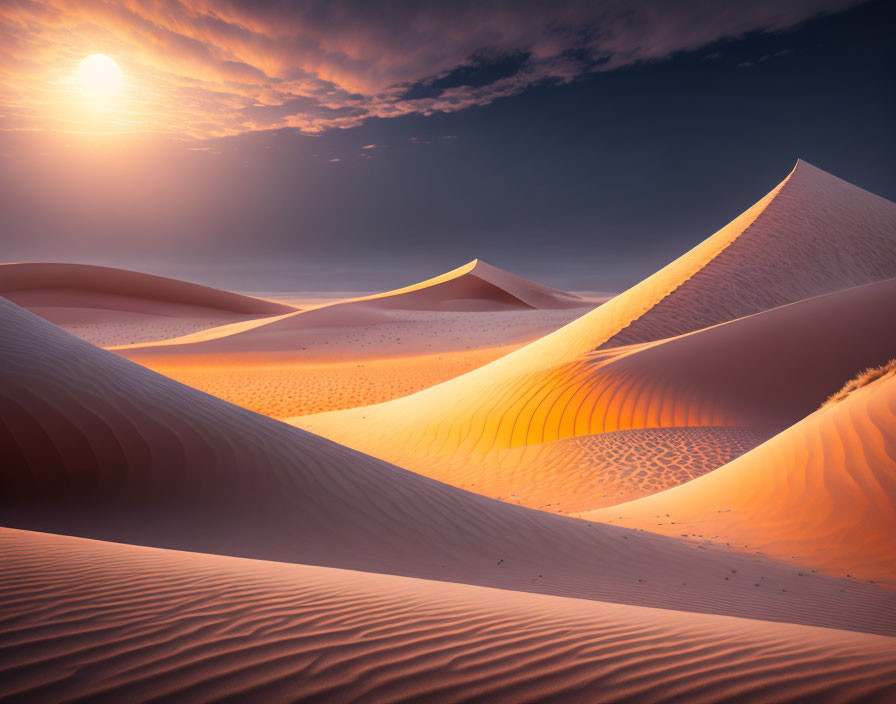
(860, 380)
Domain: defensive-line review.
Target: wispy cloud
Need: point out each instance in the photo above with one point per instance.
(211, 68)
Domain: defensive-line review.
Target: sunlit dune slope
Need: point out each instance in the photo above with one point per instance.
(282, 388)
(96, 446)
(367, 350)
(592, 471)
(823, 491)
(98, 621)
(813, 234)
(764, 371)
(114, 306)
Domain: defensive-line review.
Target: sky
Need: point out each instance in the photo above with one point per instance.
(364, 145)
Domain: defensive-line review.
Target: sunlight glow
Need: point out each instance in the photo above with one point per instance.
(99, 75)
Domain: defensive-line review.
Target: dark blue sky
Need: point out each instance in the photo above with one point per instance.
(587, 185)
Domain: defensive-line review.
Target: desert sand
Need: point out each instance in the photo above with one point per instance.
(760, 370)
(729, 468)
(365, 350)
(194, 627)
(822, 492)
(76, 416)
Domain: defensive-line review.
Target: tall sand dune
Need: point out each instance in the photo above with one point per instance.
(113, 306)
(96, 446)
(823, 491)
(812, 235)
(765, 372)
(87, 620)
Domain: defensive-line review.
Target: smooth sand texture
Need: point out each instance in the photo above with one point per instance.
(110, 306)
(764, 371)
(99, 447)
(118, 623)
(823, 490)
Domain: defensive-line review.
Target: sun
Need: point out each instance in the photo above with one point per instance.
(99, 75)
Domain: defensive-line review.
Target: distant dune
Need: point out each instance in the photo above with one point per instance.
(417, 311)
(99, 621)
(113, 306)
(823, 491)
(99, 447)
(472, 287)
(776, 311)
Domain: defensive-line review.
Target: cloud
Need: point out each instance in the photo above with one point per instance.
(220, 67)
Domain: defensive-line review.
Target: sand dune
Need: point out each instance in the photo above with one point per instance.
(764, 372)
(823, 491)
(474, 286)
(812, 235)
(403, 321)
(365, 350)
(114, 306)
(99, 447)
(107, 622)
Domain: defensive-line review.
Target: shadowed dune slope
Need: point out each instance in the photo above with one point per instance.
(99, 447)
(764, 371)
(104, 622)
(823, 490)
(62, 285)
